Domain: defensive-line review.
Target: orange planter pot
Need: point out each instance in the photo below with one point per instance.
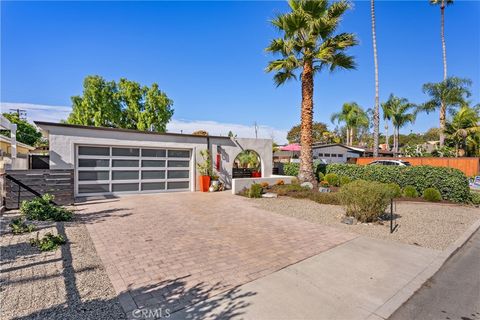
(204, 183)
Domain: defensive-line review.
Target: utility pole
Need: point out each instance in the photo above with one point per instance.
(22, 114)
(256, 130)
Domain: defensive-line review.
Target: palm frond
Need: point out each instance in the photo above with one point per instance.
(282, 77)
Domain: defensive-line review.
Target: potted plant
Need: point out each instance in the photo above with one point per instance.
(204, 169)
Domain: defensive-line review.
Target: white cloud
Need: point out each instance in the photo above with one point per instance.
(37, 112)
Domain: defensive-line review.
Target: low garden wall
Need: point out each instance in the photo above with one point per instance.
(241, 183)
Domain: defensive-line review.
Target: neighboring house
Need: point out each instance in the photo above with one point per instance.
(110, 161)
(340, 153)
(21, 160)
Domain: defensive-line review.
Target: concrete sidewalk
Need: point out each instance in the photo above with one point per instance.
(360, 279)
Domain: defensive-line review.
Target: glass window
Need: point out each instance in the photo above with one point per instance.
(327, 154)
(93, 163)
(93, 175)
(93, 151)
(153, 186)
(124, 175)
(93, 188)
(178, 163)
(125, 152)
(177, 174)
(118, 187)
(157, 153)
(124, 163)
(153, 174)
(320, 154)
(153, 163)
(177, 185)
(178, 153)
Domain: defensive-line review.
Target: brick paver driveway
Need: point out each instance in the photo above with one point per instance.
(172, 250)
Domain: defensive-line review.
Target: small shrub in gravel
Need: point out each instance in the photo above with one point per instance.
(255, 191)
(410, 192)
(48, 242)
(432, 194)
(19, 226)
(287, 189)
(43, 209)
(319, 197)
(395, 190)
(365, 200)
(332, 179)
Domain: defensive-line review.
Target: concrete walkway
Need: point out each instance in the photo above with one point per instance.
(359, 279)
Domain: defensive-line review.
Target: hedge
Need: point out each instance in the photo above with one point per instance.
(292, 168)
(452, 183)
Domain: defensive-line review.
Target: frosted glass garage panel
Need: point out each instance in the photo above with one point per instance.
(92, 163)
(124, 163)
(177, 185)
(178, 153)
(178, 163)
(180, 174)
(93, 188)
(150, 186)
(154, 153)
(125, 152)
(93, 151)
(153, 163)
(159, 174)
(121, 187)
(93, 175)
(125, 175)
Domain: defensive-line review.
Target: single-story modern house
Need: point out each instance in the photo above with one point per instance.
(110, 161)
(340, 153)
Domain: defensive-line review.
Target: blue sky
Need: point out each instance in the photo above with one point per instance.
(208, 57)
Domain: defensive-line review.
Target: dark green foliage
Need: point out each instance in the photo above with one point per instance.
(19, 226)
(42, 209)
(255, 191)
(395, 190)
(432, 194)
(344, 180)
(292, 169)
(48, 242)
(410, 192)
(452, 183)
(320, 176)
(475, 198)
(332, 179)
(365, 200)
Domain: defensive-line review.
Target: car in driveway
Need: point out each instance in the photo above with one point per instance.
(391, 163)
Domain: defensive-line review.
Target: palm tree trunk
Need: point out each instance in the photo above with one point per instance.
(398, 139)
(348, 136)
(443, 108)
(386, 135)
(376, 117)
(443, 117)
(351, 136)
(306, 157)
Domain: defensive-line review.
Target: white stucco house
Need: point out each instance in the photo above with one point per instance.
(110, 161)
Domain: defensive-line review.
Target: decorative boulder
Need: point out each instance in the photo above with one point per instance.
(269, 195)
(307, 184)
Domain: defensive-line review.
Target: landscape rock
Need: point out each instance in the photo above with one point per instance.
(307, 184)
(269, 195)
(349, 220)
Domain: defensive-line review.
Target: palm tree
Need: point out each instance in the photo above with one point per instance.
(399, 113)
(309, 44)
(443, 4)
(353, 116)
(464, 129)
(387, 116)
(376, 118)
(445, 95)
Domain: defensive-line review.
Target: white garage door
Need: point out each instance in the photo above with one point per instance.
(112, 169)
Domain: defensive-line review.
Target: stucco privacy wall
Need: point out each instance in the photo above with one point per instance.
(64, 138)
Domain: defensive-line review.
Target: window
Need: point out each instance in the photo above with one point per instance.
(124, 175)
(93, 163)
(177, 185)
(153, 186)
(125, 152)
(153, 163)
(124, 163)
(153, 174)
(178, 153)
(155, 153)
(178, 163)
(327, 154)
(93, 175)
(93, 151)
(320, 154)
(93, 188)
(177, 174)
(119, 187)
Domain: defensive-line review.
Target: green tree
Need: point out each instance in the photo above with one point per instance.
(309, 44)
(399, 109)
(464, 130)
(387, 116)
(353, 116)
(318, 128)
(446, 95)
(432, 134)
(26, 132)
(124, 105)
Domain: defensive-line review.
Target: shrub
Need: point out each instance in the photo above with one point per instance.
(324, 184)
(319, 197)
(294, 181)
(410, 192)
(320, 176)
(291, 169)
(365, 200)
(344, 180)
(395, 190)
(264, 184)
(19, 226)
(432, 194)
(48, 242)
(255, 191)
(42, 209)
(286, 189)
(452, 183)
(280, 182)
(332, 179)
(475, 198)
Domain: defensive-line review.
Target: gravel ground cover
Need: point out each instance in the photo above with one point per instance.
(68, 283)
(428, 225)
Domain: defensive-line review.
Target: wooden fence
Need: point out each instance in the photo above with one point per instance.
(469, 166)
(56, 182)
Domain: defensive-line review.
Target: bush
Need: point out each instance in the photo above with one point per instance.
(320, 176)
(365, 200)
(19, 226)
(432, 194)
(286, 189)
(264, 184)
(319, 197)
(48, 242)
(255, 191)
(410, 192)
(42, 209)
(280, 182)
(293, 168)
(395, 190)
(475, 198)
(324, 184)
(344, 180)
(452, 183)
(294, 181)
(332, 179)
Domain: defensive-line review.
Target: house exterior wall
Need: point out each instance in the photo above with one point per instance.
(63, 140)
(341, 154)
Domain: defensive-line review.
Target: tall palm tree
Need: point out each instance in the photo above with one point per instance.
(399, 113)
(443, 4)
(376, 116)
(387, 116)
(445, 95)
(464, 129)
(353, 116)
(309, 44)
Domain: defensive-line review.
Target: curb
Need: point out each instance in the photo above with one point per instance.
(397, 300)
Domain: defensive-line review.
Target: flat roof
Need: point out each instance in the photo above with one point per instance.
(20, 144)
(77, 126)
